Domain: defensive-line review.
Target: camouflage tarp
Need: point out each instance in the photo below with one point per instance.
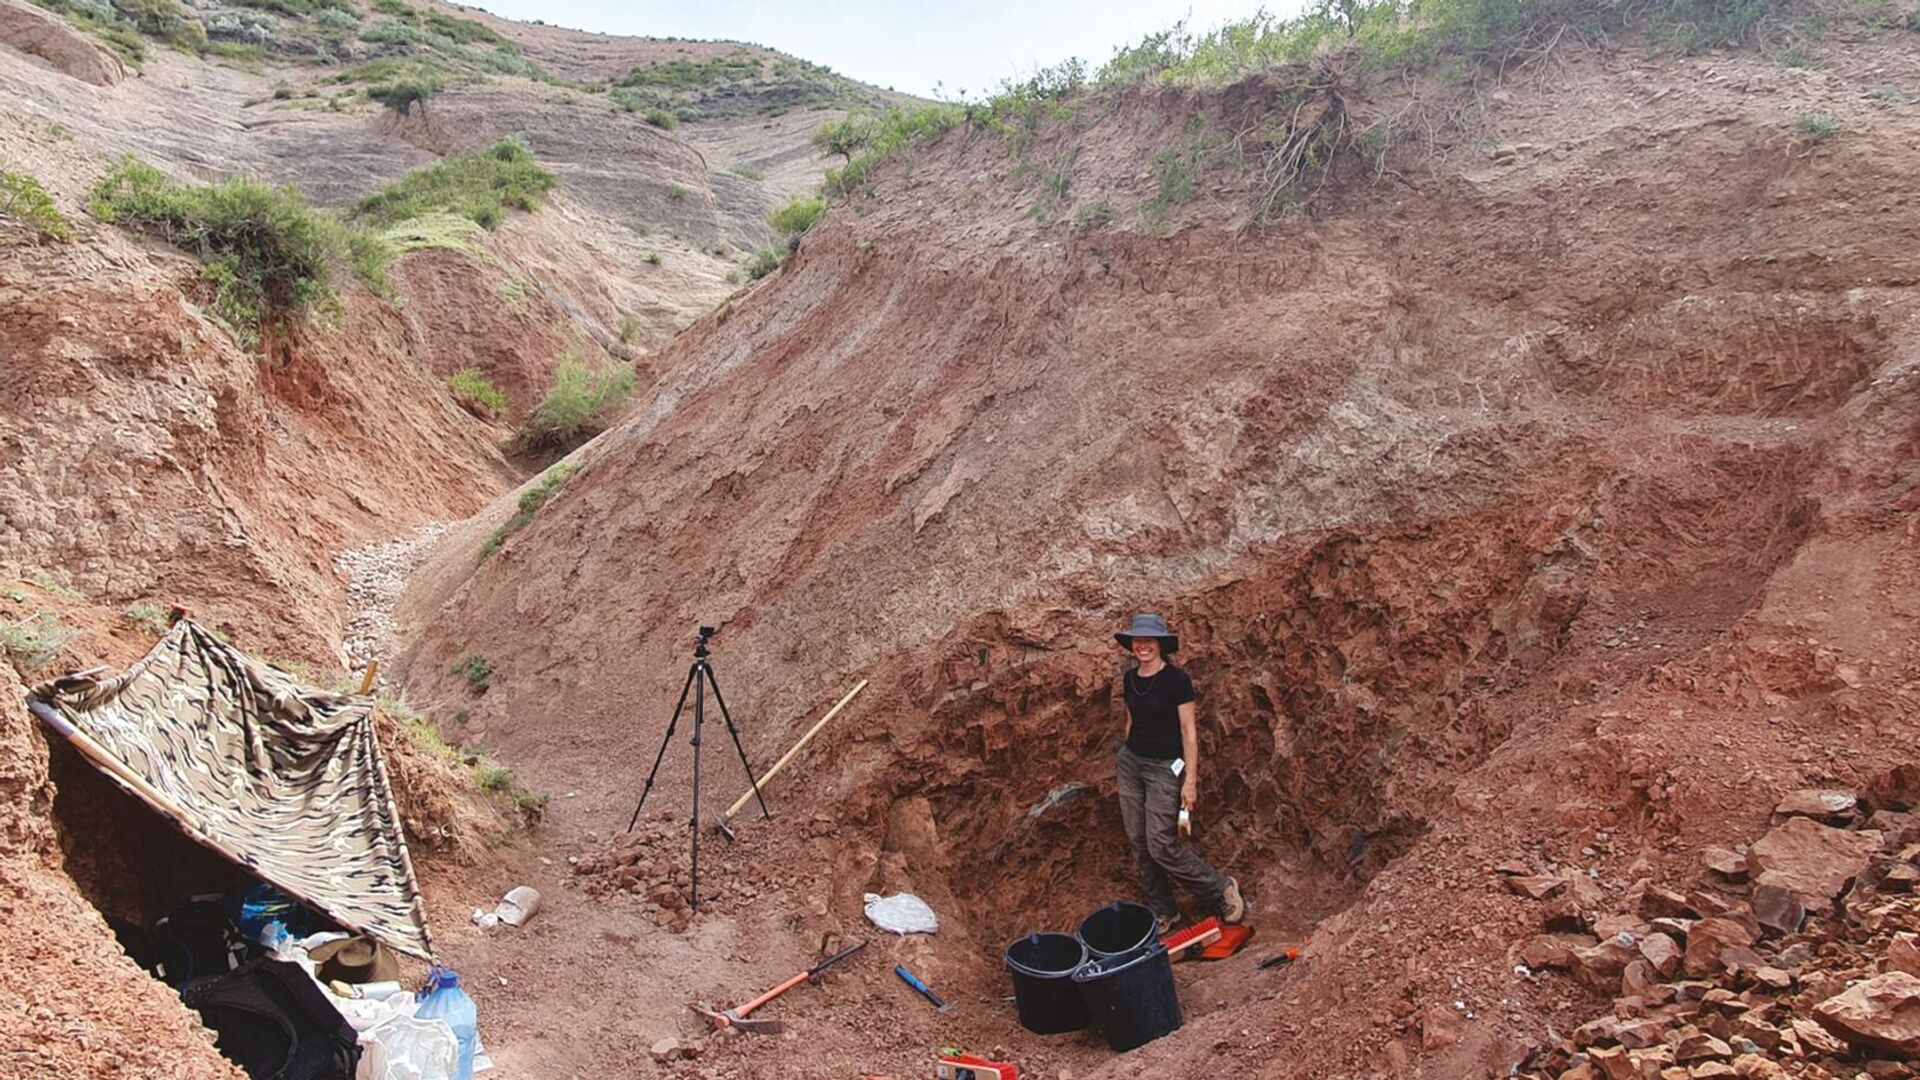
(282, 778)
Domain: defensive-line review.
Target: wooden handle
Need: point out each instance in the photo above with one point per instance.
(797, 747)
(366, 680)
(743, 1010)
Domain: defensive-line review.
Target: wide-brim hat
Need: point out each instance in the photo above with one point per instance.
(355, 960)
(1149, 625)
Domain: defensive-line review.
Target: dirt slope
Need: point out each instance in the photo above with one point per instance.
(1551, 498)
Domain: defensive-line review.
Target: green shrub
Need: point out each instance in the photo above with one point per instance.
(477, 671)
(766, 262)
(845, 137)
(578, 405)
(474, 389)
(1813, 127)
(678, 192)
(629, 329)
(494, 777)
(24, 200)
(690, 74)
(149, 617)
(165, 20)
(402, 95)
(268, 255)
(661, 118)
(480, 186)
(748, 173)
(799, 214)
(653, 258)
(399, 9)
(34, 642)
(1094, 214)
(536, 496)
(464, 31)
(104, 22)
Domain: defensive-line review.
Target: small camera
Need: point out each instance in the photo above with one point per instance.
(708, 631)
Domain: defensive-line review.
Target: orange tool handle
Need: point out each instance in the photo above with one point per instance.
(743, 1010)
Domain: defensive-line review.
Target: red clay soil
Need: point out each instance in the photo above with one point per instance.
(1554, 503)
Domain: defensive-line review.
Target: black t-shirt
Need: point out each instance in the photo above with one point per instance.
(1154, 703)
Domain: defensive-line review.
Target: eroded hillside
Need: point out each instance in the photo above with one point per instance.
(1541, 492)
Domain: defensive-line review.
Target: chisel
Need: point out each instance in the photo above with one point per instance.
(923, 989)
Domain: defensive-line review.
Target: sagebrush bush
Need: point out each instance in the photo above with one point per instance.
(578, 406)
(480, 186)
(661, 118)
(764, 263)
(799, 214)
(268, 255)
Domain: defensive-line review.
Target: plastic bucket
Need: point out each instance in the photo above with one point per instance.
(1042, 966)
(1131, 997)
(1118, 928)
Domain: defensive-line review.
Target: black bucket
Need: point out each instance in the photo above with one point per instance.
(1118, 928)
(1042, 966)
(1131, 997)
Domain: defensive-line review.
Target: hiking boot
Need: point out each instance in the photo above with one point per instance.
(1233, 906)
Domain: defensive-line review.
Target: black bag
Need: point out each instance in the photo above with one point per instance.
(194, 940)
(269, 1018)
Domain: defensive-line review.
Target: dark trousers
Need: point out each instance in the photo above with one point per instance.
(1150, 809)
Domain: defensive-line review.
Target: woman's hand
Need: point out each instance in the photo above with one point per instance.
(1189, 793)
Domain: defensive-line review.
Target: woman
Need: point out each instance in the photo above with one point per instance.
(1159, 770)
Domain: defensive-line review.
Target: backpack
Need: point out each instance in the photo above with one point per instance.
(272, 1020)
(194, 940)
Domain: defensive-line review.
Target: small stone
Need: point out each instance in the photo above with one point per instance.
(1778, 909)
(1712, 1070)
(1814, 1037)
(1882, 1013)
(1662, 952)
(1708, 939)
(1901, 877)
(1549, 950)
(1822, 803)
(1772, 978)
(1755, 1067)
(1612, 1063)
(1535, 886)
(1727, 864)
(1657, 903)
(1903, 954)
(668, 1049)
(1701, 1046)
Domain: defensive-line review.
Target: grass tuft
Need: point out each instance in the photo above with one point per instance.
(35, 641)
(578, 405)
(149, 617)
(478, 672)
(477, 394)
(799, 214)
(25, 201)
(539, 494)
(480, 186)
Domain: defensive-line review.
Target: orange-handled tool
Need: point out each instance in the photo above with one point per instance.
(740, 1015)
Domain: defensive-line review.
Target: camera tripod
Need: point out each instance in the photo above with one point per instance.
(699, 677)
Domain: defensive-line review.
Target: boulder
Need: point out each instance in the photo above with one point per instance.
(1659, 903)
(1613, 1064)
(1903, 954)
(1534, 886)
(1811, 860)
(1708, 939)
(1882, 1013)
(1701, 1046)
(58, 42)
(1599, 967)
(1552, 950)
(1727, 864)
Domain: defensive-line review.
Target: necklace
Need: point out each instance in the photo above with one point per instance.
(1146, 685)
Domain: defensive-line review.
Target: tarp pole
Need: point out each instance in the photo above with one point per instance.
(767, 777)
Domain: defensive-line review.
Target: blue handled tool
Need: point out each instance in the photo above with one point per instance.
(923, 989)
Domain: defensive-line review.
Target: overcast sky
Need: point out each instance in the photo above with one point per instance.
(906, 46)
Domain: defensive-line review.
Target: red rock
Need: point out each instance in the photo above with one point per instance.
(1901, 877)
(1600, 1031)
(1582, 1071)
(1772, 978)
(1708, 904)
(1823, 803)
(1896, 789)
(1903, 954)
(1882, 1013)
(1640, 1034)
(1727, 864)
(1700, 1046)
(1708, 939)
(1813, 1037)
(1659, 903)
(1513, 869)
(1552, 950)
(1612, 1064)
(1439, 1028)
(1662, 952)
(1811, 860)
(1607, 926)
(1599, 967)
(1712, 1070)
(1535, 886)
(1638, 978)
(1778, 909)
(1755, 1067)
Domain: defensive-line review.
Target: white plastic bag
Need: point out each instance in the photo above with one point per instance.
(408, 1048)
(901, 913)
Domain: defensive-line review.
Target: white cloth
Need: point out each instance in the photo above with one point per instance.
(901, 913)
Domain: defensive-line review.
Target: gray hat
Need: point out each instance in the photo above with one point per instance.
(1149, 625)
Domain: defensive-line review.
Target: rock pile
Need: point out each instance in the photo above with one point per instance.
(1796, 956)
(654, 862)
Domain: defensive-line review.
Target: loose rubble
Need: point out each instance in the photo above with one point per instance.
(376, 576)
(1797, 956)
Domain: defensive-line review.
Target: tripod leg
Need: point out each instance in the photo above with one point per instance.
(735, 732)
(657, 758)
(699, 718)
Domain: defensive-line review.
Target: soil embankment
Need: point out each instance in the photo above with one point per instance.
(1506, 503)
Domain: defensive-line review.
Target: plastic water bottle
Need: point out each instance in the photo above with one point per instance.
(446, 1001)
